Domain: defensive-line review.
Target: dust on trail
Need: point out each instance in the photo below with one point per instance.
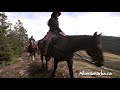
(26, 68)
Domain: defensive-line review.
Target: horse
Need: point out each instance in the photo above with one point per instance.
(41, 45)
(64, 47)
(32, 49)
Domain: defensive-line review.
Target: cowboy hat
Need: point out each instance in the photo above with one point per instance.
(56, 13)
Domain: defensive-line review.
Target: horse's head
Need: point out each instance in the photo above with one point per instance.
(96, 40)
(96, 50)
(32, 44)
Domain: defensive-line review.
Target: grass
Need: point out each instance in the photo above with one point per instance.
(111, 60)
(5, 63)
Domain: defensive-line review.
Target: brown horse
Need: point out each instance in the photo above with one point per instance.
(32, 49)
(64, 47)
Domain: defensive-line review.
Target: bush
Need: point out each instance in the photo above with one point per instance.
(5, 56)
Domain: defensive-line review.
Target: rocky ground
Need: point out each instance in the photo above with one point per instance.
(26, 68)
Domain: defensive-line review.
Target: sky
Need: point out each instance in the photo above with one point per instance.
(71, 23)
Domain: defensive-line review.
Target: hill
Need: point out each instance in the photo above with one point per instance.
(111, 44)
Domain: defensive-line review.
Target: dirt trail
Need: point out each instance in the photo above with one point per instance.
(25, 68)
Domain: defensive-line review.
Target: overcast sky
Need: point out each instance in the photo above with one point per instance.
(72, 23)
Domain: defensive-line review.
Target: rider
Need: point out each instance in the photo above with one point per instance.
(31, 38)
(53, 25)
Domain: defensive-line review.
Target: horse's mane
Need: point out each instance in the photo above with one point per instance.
(73, 38)
(72, 43)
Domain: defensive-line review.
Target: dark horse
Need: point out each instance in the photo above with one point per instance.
(64, 47)
(32, 49)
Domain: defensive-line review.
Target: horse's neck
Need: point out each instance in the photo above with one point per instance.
(73, 43)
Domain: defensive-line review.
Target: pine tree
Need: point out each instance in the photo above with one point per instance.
(5, 50)
(12, 40)
(22, 37)
(6, 53)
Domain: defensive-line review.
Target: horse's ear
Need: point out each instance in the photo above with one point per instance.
(95, 34)
(100, 34)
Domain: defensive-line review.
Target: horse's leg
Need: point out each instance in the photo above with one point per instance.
(42, 61)
(34, 55)
(70, 66)
(33, 58)
(47, 59)
(30, 56)
(46, 64)
(38, 53)
(55, 67)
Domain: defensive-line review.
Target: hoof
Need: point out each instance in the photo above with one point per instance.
(53, 76)
(72, 77)
(98, 64)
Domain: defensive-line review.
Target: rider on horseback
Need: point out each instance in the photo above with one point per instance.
(30, 43)
(31, 39)
(54, 29)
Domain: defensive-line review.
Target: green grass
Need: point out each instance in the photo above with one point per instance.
(12, 61)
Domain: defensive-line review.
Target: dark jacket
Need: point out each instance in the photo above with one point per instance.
(54, 25)
(31, 39)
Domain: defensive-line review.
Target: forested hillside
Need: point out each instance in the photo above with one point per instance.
(111, 44)
(13, 38)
